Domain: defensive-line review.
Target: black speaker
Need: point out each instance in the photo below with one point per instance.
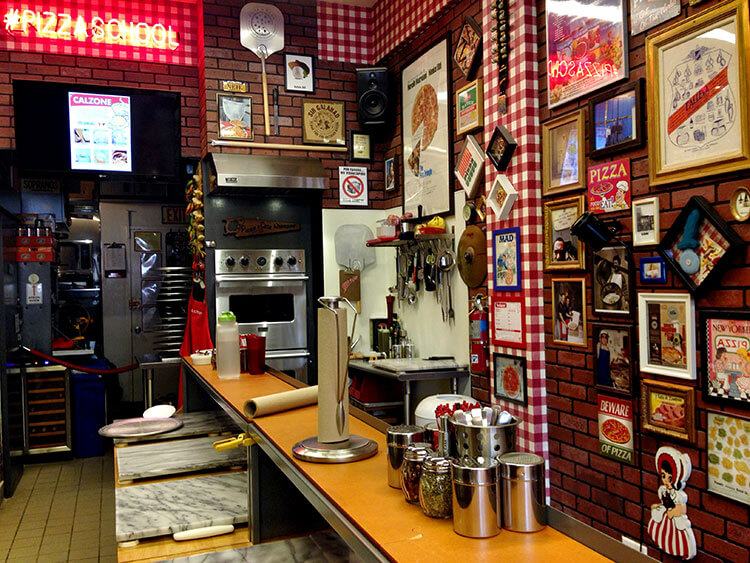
(372, 95)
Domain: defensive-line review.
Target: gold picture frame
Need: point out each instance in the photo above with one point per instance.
(563, 147)
(559, 215)
(323, 122)
(469, 107)
(660, 409)
(698, 110)
(569, 312)
(234, 116)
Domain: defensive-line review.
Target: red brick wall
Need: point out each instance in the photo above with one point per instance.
(602, 493)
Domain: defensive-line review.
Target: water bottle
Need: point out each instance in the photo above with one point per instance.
(227, 346)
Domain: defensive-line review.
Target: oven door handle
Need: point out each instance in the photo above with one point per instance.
(225, 279)
(283, 355)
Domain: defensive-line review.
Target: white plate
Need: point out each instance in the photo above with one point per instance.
(159, 411)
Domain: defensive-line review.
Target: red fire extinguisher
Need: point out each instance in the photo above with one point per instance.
(479, 337)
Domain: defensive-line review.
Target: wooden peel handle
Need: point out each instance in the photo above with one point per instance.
(265, 96)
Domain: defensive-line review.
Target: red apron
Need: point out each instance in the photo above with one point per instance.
(197, 334)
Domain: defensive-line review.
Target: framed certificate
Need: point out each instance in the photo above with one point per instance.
(323, 122)
(507, 322)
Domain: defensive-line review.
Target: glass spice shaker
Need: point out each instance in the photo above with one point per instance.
(435, 487)
(411, 470)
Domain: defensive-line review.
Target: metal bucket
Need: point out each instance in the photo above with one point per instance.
(485, 442)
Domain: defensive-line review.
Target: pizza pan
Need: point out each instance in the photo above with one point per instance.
(139, 427)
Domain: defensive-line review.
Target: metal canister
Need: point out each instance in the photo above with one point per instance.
(398, 437)
(411, 470)
(522, 491)
(475, 500)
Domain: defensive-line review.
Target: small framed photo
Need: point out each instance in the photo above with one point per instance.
(470, 166)
(359, 146)
(616, 120)
(469, 107)
(510, 378)
(564, 163)
(562, 249)
(502, 197)
(668, 409)
(613, 357)
(666, 334)
(613, 286)
(699, 245)
(501, 148)
(390, 174)
(468, 47)
(725, 377)
(323, 122)
(646, 221)
(235, 116)
(652, 270)
(728, 471)
(569, 311)
(506, 258)
(739, 204)
(299, 73)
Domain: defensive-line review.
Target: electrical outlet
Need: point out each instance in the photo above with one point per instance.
(631, 543)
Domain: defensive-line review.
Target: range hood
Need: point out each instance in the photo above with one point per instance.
(251, 171)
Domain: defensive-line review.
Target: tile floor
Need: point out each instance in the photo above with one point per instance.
(61, 512)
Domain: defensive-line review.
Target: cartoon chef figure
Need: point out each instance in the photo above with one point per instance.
(622, 190)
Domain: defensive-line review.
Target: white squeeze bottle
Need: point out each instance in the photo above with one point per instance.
(227, 346)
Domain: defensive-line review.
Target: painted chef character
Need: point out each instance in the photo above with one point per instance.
(669, 527)
(622, 190)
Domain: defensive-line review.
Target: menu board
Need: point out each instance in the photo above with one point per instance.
(100, 132)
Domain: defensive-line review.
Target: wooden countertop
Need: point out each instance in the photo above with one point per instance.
(361, 492)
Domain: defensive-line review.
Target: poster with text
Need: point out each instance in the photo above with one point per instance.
(609, 186)
(508, 322)
(100, 132)
(727, 361)
(616, 429)
(353, 185)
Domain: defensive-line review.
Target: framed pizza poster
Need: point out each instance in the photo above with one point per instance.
(725, 377)
(426, 133)
(507, 322)
(616, 429)
(510, 378)
(728, 458)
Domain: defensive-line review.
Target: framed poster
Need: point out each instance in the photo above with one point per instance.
(728, 465)
(468, 47)
(646, 221)
(616, 429)
(470, 166)
(299, 73)
(645, 14)
(616, 119)
(725, 377)
(562, 249)
(563, 153)
(569, 311)
(390, 174)
(668, 409)
(584, 52)
(235, 116)
(469, 107)
(653, 269)
(510, 378)
(506, 257)
(323, 122)
(609, 186)
(697, 75)
(426, 133)
(360, 147)
(501, 147)
(666, 334)
(502, 196)
(613, 357)
(508, 321)
(613, 285)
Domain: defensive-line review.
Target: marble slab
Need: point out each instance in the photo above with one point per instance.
(173, 458)
(159, 509)
(194, 424)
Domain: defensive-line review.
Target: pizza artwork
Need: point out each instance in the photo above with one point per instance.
(425, 111)
(615, 431)
(511, 381)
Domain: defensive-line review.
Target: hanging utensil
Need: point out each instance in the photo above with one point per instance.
(262, 32)
(276, 111)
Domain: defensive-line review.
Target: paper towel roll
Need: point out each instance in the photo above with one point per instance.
(269, 404)
(333, 352)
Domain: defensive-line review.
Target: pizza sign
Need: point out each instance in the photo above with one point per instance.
(609, 186)
(616, 429)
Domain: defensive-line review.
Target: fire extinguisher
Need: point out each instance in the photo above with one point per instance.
(479, 336)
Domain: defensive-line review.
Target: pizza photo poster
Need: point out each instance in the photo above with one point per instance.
(728, 456)
(426, 133)
(616, 429)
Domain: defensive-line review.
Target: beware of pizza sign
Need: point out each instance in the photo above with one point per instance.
(616, 429)
(353, 185)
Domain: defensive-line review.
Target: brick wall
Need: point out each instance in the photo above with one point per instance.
(605, 494)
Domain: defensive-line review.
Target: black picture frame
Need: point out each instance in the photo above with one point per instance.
(666, 247)
(603, 268)
(519, 362)
(352, 156)
(468, 68)
(710, 385)
(500, 155)
(627, 352)
(637, 87)
(652, 260)
(289, 85)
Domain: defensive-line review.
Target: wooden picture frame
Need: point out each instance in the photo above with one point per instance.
(645, 217)
(612, 281)
(725, 373)
(506, 259)
(501, 147)
(652, 269)
(562, 249)
(726, 474)
(234, 114)
(616, 119)
(569, 311)
(563, 153)
(613, 357)
(360, 146)
(469, 108)
(510, 378)
(668, 409)
(699, 112)
(299, 73)
(468, 46)
(323, 122)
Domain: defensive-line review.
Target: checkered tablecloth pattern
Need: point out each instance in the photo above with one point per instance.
(345, 33)
(396, 21)
(181, 15)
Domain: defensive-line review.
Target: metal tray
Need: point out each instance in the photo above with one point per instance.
(139, 427)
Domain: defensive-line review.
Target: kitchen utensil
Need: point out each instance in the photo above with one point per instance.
(521, 489)
(398, 438)
(472, 443)
(137, 427)
(276, 111)
(207, 532)
(475, 500)
(352, 251)
(159, 411)
(262, 32)
(472, 256)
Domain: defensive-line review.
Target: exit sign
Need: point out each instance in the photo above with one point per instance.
(173, 215)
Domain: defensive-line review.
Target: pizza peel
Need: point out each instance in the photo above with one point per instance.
(472, 256)
(262, 32)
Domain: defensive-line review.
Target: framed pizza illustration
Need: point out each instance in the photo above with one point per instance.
(510, 378)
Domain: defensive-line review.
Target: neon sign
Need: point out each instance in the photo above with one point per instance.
(581, 69)
(113, 31)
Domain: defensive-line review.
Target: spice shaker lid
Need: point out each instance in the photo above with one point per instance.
(417, 451)
(521, 465)
(404, 434)
(469, 472)
(436, 463)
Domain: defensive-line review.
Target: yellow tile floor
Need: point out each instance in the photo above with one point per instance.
(61, 512)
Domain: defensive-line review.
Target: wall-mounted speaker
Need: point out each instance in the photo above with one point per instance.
(372, 95)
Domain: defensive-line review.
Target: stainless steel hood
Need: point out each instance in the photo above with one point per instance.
(245, 171)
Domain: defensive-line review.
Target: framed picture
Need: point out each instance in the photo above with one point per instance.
(508, 322)
(501, 147)
(613, 285)
(699, 245)
(646, 221)
(390, 174)
(469, 106)
(668, 409)
(502, 197)
(323, 122)
(585, 51)
(652, 270)
(510, 378)
(613, 357)
(235, 116)
(426, 133)
(569, 311)
(562, 249)
(506, 257)
(645, 14)
(728, 472)
(360, 149)
(563, 149)
(739, 204)
(608, 186)
(299, 73)
(470, 166)
(697, 73)
(468, 47)
(616, 428)
(616, 119)
(666, 334)
(725, 377)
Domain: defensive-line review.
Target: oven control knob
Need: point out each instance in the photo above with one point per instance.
(244, 261)
(278, 260)
(229, 261)
(291, 261)
(261, 261)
